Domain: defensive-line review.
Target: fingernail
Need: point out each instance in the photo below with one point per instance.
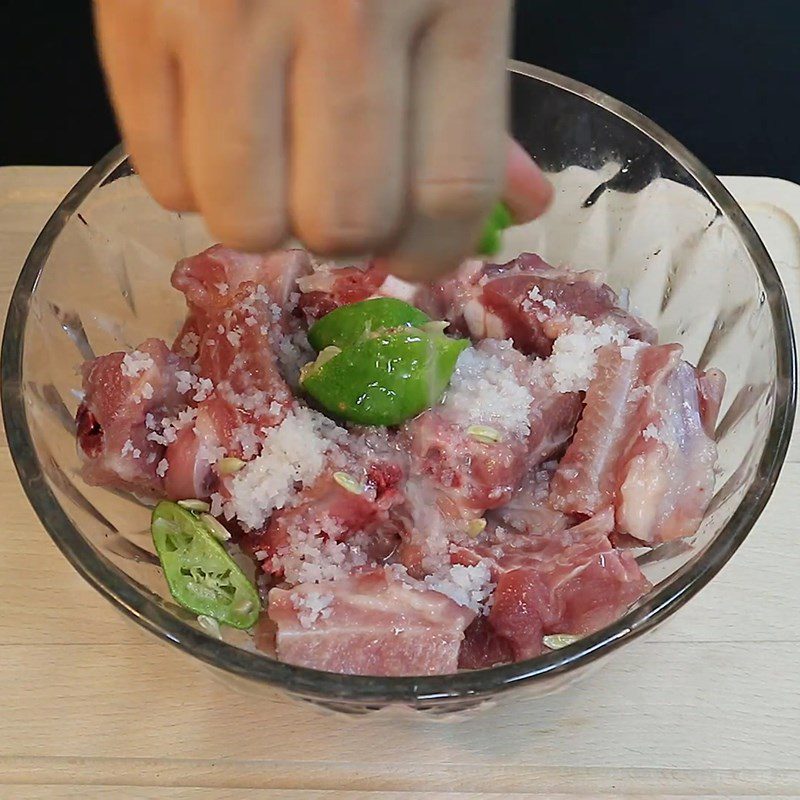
(527, 192)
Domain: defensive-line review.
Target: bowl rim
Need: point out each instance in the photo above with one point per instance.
(429, 690)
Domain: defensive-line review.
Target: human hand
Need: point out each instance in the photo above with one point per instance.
(357, 126)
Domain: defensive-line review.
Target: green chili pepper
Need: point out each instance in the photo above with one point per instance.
(201, 575)
(347, 324)
(498, 221)
(386, 378)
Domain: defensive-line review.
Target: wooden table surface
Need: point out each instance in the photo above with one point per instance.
(91, 706)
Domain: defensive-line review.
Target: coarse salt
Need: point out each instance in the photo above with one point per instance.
(470, 586)
(651, 432)
(313, 554)
(629, 350)
(573, 361)
(204, 389)
(186, 381)
(485, 390)
(293, 453)
(135, 363)
(190, 344)
(312, 606)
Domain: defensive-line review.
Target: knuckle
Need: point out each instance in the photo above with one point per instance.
(340, 239)
(257, 233)
(345, 230)
(458, 197)
(174, 195)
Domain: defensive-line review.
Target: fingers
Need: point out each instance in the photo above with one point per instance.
(349, 94)
(307, 116)
(458, 137)
(234, 67)
(143, 86)
(527, 192)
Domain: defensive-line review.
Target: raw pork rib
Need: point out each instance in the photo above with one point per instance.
(641, 445)
(327, 289)
(328, 528)
(236, 316)
(465, 536)
(369, 624)
(531, 303)
(569, 582)
(211, 279)
(120, 392)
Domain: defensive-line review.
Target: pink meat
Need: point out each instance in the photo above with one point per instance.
(328, 510)
(235, 353)
(668, 479)
(457, 477)
(552, 416)
(328, 289)
(426, 520)
(552, 421)
(641, 446)
(448, 299)
(473, 475)
(586, 479)
(454, 480)
(485, 647)
(531, 302)
(573, 582)
(529, 510)
(370, 624)
(211, 279)
(234, 323)
(112, 432)
(194, 454)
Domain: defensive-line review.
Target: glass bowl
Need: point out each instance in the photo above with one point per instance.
(629, 200)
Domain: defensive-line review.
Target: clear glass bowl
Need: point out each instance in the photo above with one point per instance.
(629, 200)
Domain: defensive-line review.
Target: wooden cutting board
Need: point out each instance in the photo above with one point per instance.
(91, 706)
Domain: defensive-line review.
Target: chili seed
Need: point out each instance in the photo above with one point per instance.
(209, 625)
(194, 505)
(229, 466)
(218, 530)
(475, 527)
(559, 640)
(485, 434)
(348, 482)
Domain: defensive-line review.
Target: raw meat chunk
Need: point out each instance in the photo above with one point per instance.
(122, 391)
(330, 287)
(198, 446)
(531, 303)
(529, 510)
(586, 479)
(641, 445)
(668, 480)
(212, 279)
(327, 530)
(369, 624)
(570, 582)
